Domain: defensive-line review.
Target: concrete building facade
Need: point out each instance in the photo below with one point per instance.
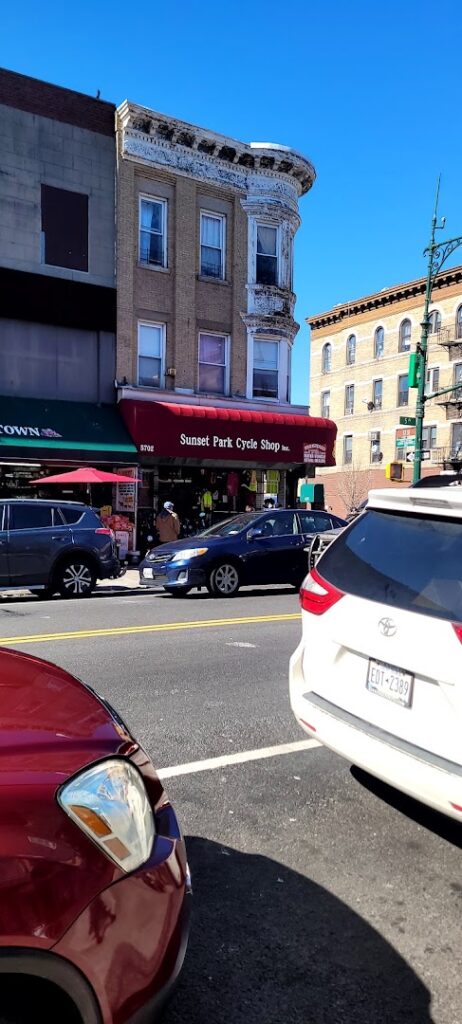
(359, 368)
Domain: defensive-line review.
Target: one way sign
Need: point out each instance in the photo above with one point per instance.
(423, 455)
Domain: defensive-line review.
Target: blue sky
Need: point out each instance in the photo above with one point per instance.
(370, 92)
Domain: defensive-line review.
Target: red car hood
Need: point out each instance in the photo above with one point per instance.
(50, 722)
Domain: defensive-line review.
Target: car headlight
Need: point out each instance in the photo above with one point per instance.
(183, 556)
(110, 804)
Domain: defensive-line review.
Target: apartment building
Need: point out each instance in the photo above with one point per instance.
(359, 378)
(205, 314)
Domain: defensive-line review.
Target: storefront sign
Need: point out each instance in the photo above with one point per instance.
(315, 453)
(14, 430)
(167, 430)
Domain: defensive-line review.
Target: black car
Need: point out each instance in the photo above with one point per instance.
(54, 546)
(262, 547)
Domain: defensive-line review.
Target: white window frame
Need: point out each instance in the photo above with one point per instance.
(429, 427)
(222, 218)
(347, 462)
(277, 228)
(143, 198)
(152, 323)
(429, 379)
(349, 412)
(402, 405)
(374, 439)
(227, 340)
(377, 380)
(323, 394)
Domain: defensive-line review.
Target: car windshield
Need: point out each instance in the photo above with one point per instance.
(230, 526)
(400, 559)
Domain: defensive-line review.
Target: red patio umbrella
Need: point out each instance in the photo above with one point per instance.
(86, 475)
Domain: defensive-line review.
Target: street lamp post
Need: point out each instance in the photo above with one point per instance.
(438, 253)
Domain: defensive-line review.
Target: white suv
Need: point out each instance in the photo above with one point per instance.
(377, 676)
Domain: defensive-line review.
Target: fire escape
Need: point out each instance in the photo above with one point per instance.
(450, 338)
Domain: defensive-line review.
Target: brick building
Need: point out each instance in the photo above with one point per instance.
(57, 282)
(205, 314)
(359, 370)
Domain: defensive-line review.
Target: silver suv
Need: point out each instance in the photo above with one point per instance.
(54, 547)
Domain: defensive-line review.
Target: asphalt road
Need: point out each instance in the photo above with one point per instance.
(320, 896)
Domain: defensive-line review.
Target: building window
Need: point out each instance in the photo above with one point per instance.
(265, 369)
(459, 322)
(153, 232)
(288, 375)
(377, 389)
(403, 389)
(457, 380)
(349, 399)
(379, 342)
(325, 404)
(429, 437)
(213, 363)
(456, 446)
(213, 245)
(432, 380)
(375, 453)
(327, 357)
(351, 350)
(405, 336)
(434, 322)
(151, 348)
(267, 255)
(64, 228)
(347, 449)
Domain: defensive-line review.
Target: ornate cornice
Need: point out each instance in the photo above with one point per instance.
(153, 138)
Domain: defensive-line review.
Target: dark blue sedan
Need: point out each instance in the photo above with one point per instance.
(252, 548)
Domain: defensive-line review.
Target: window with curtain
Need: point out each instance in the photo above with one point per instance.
(377, 390)
(267, 255)
(349, 399)
(212, 246)
(327, 357)
(151, 355)
(459, 322)
(375, 454)
(456, 447)
(213, 359)
(348, 448)
(379, 342)
(405, 335)
(403, 389)
(434, 322)
(265, 369)
(153, 234)
(325, 404)
(432, 380)
(351, 350)
(429, 437)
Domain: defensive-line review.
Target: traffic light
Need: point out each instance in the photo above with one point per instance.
(394, 471)
(415, 369)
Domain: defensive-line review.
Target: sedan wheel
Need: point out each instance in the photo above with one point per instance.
(76, 579)
(224, 580)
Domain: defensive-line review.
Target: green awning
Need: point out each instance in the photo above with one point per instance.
(56, 428)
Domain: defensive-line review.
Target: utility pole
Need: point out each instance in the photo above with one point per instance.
(438, 253)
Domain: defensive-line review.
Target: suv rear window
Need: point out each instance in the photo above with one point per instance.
(402, 560)
(71, 515)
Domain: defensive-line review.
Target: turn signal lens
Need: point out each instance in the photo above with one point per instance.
(317, 595)
(110, 804)
(457, 630)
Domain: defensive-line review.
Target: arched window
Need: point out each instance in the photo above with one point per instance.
(434, 322)
(351, 350)
(379, 342)
(459, 322)
(327, 357)
(405, 336)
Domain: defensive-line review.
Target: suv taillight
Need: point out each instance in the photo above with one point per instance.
(458, 630)
(317, 595)
(105, 531)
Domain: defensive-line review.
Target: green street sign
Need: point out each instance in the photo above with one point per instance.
(407, 421)
(405, 442)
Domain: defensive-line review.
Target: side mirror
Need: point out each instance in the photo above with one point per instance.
(255, 533)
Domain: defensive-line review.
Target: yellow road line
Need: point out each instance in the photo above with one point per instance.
(41, 638)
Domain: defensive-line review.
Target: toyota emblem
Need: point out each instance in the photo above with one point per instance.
(387, 627)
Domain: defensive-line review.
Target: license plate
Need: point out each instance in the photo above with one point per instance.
(390, 682)
(147, 573)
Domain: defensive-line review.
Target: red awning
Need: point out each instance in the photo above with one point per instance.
(212, 434)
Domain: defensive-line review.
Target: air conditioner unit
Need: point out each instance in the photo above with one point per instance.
(374, 435)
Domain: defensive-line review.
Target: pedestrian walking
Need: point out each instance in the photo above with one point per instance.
(168, 524)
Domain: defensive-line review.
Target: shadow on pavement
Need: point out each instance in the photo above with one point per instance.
(268, 946)
(445, 828)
